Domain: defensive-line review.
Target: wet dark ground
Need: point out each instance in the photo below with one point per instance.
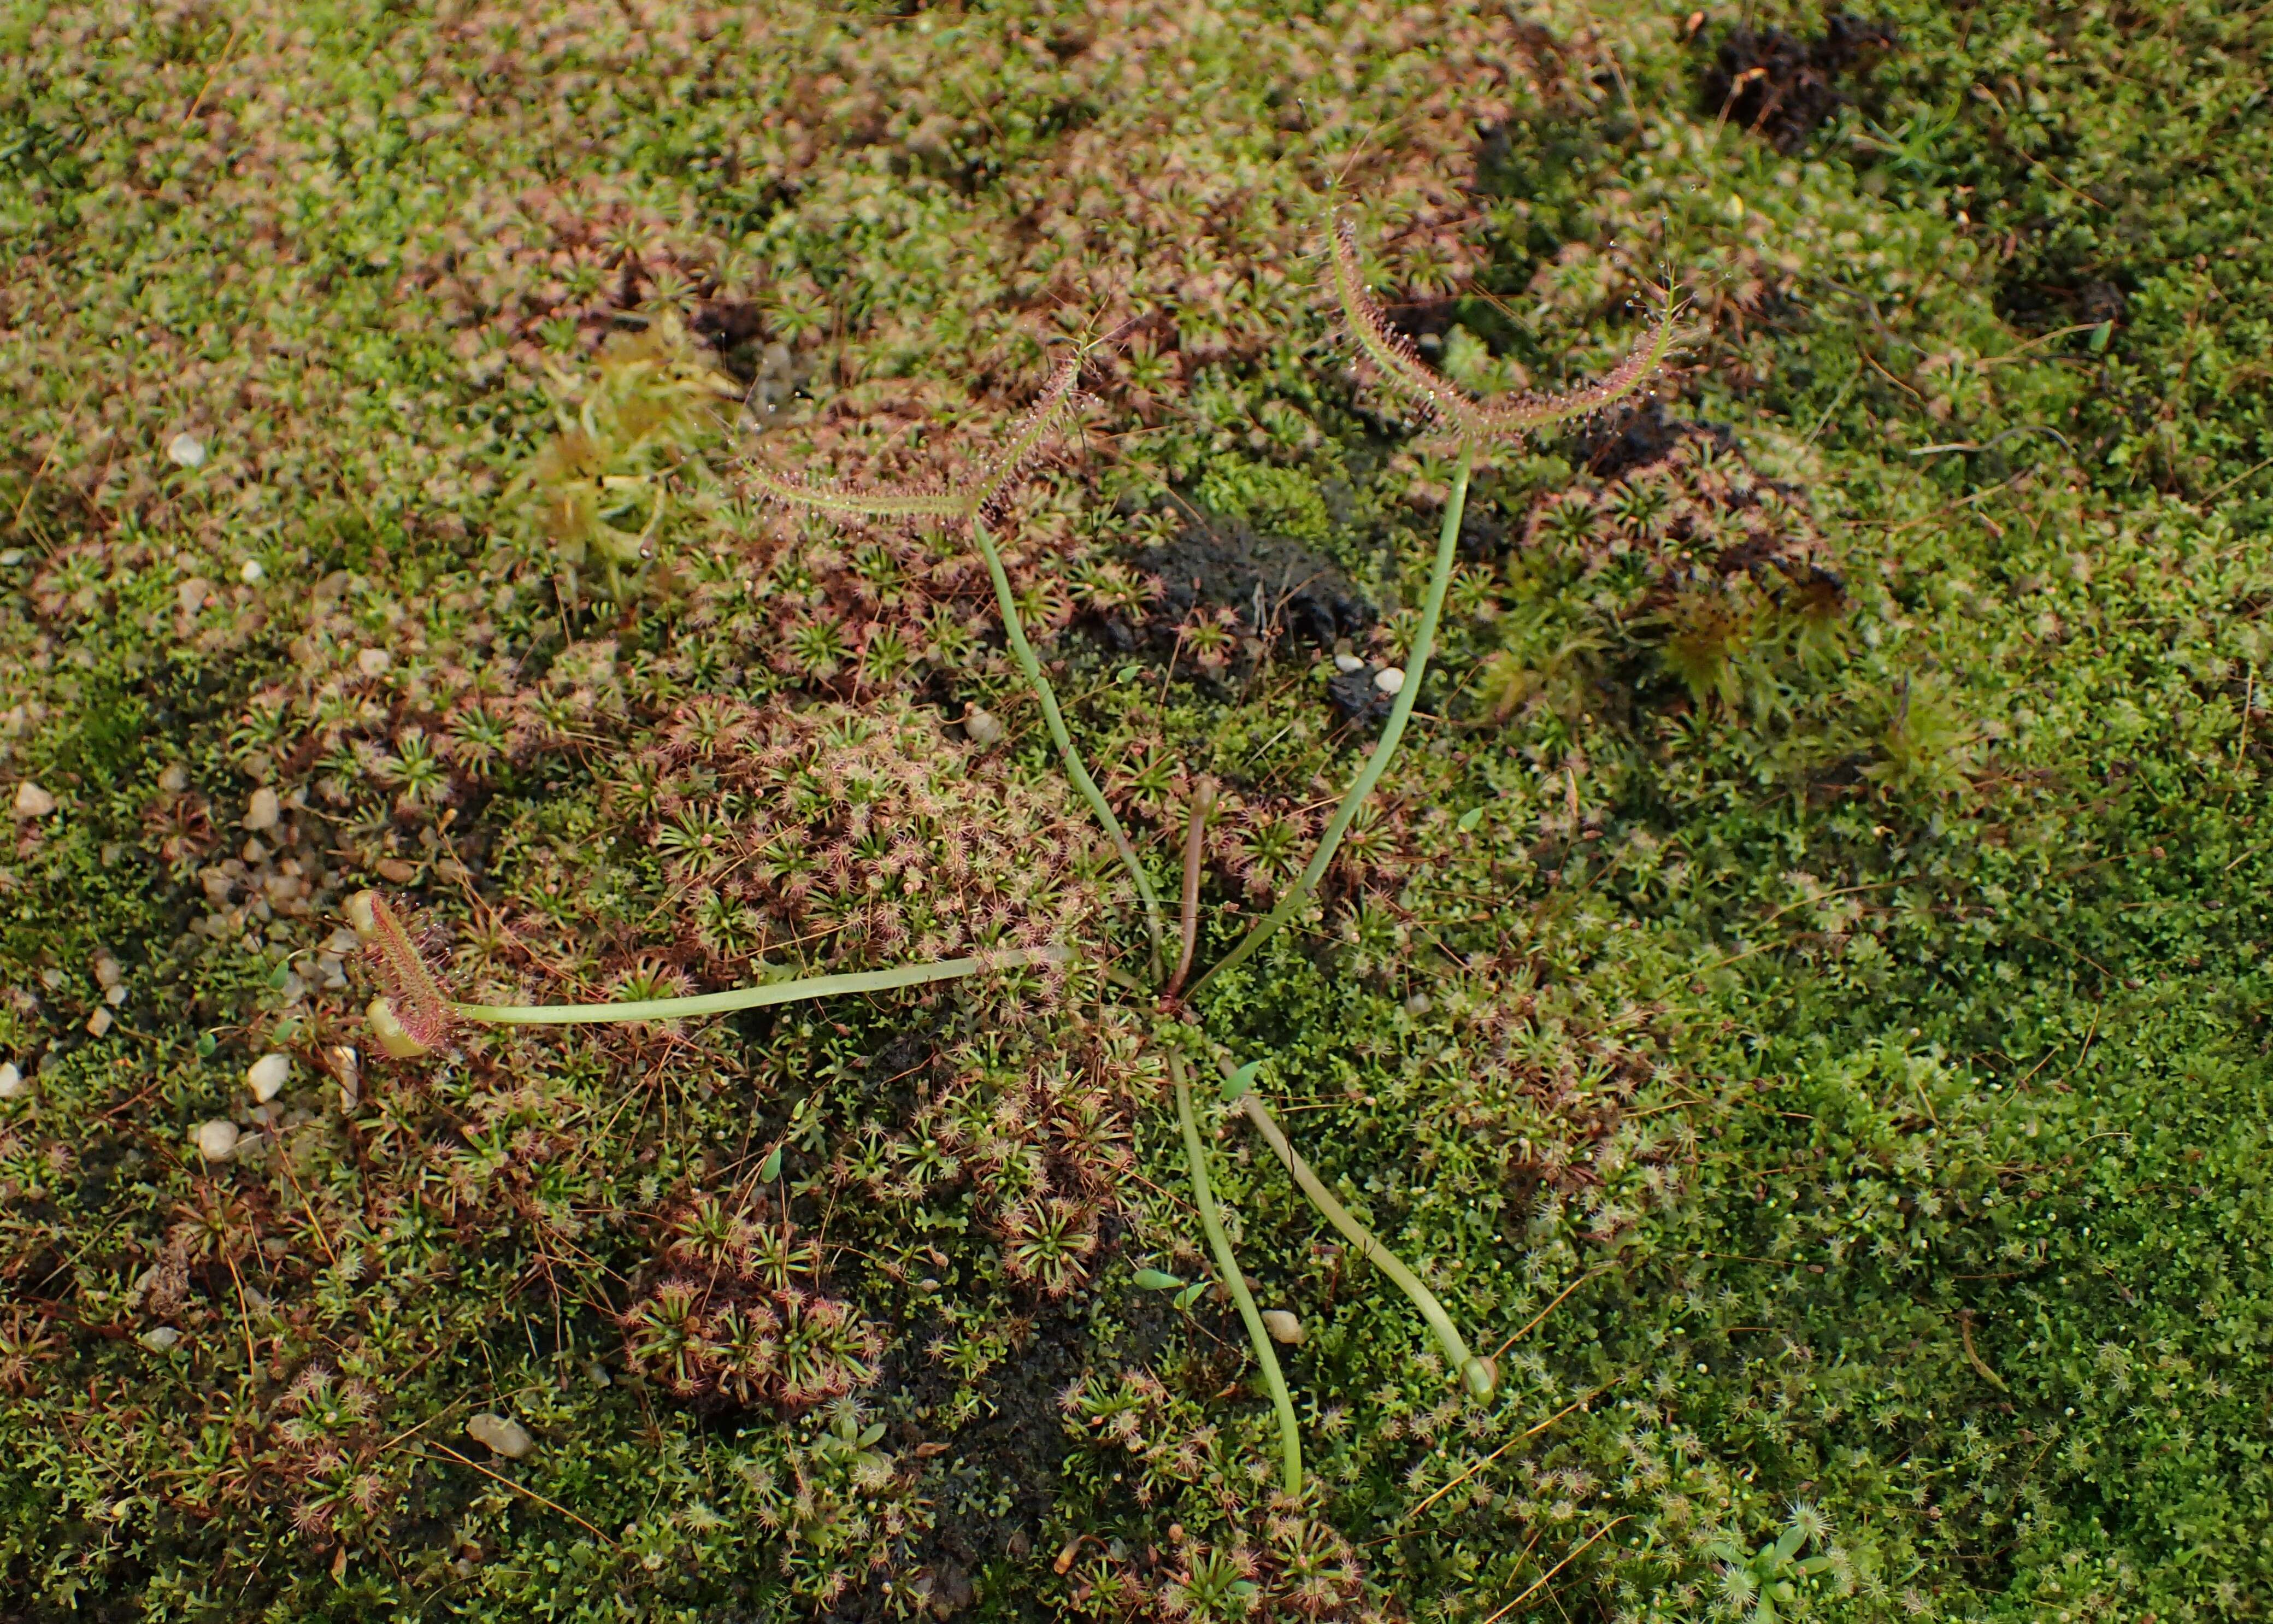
(1784, 88)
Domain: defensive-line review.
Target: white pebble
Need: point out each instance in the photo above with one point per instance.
(983, 728)
(374, 662)
(186, 450)
(175, 779)
(1348, 663)
(32, 800)
(13, 1083)
(106, 973)
(1389, 679)
(503, 1435)
(251, 571)
(159, 1338)
(267, 1076)
(346, 1065)
(1284, 1327)
(216, 1140)
(263, 810)
(100, 1023)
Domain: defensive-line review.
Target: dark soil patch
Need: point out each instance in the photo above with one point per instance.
(1643, 436)
(1357, 698)
(1484, 534)
(1784, 88)
(726, 324)
(1001, 1480)
(994, 1493)
(2045, 299)
(1275, 585)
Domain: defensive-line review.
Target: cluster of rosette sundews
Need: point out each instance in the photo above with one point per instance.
(415, 1015)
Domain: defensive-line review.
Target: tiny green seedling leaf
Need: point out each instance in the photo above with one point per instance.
(1190, 1294)
(2099, 336)
(1159, 1280)
(1240, 1081)
(770, 1169)
(1127, 673)
(1470, 818)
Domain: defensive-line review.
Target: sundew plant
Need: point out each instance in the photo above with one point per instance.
(1353, 812)
(414, 1016)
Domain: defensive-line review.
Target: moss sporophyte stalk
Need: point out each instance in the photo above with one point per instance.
(416, 1015)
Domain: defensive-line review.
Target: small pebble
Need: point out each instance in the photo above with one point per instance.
(185, 450)
(983, 728)
(503, 1435)
(32, 800)
(251, 572)
(13, 1083)
(216, 1140)
(159, 1338)
(346, 1065)
(262, 811)
(175, 779)
(107, 972)
(1348, 663)
(1389, 679)
(1284, 1327)
(100, 1023)
(267, 1076)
